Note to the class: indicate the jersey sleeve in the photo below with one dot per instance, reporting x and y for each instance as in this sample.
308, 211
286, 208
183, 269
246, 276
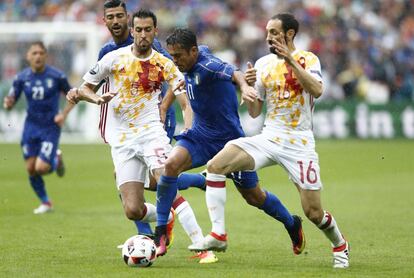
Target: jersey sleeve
173, 76
64, 85
259, 86
16, 88
217, 69
100, 71
313, 67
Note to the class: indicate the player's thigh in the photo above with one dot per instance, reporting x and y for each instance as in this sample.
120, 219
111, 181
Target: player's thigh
129, 168
230, 159
302, 167
42, 167
253, 152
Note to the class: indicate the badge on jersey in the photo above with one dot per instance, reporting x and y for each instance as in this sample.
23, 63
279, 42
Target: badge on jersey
49, 83
197, 79
94, 70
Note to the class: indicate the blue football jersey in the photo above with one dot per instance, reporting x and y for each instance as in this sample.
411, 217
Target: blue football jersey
42, 91
213, 97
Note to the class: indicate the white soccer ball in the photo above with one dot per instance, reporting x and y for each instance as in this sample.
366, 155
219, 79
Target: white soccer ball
139, 251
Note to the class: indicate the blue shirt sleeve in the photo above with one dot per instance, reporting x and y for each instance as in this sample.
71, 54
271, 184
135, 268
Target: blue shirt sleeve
218, 70
64, 85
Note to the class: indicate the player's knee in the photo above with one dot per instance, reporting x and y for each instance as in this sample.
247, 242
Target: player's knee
314, 215
31, 170
215, 168
42, 169
134, 212
172, 167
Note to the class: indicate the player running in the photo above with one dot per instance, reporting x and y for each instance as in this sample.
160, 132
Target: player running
288, 80
213, 98
42, 85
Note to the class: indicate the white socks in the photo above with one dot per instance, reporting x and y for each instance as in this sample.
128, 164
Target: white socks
329, 227
216, 199
151, 214
187, 219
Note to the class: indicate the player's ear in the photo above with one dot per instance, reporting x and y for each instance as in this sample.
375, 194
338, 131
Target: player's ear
156, 31
290, 34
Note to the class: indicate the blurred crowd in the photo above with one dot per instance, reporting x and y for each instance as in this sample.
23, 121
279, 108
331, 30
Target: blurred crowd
366, 48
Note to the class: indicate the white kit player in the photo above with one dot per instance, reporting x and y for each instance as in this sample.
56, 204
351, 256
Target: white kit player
288, 80
137, 138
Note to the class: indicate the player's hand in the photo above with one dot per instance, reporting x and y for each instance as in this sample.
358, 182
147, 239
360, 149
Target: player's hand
248, 94
60, 119
250, 74
8, 102
73, 96
281, 47
105, 98
180, 86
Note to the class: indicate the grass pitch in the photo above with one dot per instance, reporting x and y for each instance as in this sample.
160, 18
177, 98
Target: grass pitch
368, 187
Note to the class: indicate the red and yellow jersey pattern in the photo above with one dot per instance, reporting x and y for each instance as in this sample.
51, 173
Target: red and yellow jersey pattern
137, 84
289, 107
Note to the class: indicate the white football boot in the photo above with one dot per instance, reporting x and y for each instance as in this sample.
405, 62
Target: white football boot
211, 242
341, 256
43, 208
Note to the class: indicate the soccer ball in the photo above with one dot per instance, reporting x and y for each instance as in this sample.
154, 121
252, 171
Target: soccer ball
139, 251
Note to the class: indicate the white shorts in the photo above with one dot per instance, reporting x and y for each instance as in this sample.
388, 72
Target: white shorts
134, 160
296, 155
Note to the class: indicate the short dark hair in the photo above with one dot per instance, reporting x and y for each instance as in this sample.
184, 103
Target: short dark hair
288, 22
114, 4
183, 36
144, 13
38, 43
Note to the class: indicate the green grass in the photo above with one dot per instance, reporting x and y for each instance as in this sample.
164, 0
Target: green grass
368, 186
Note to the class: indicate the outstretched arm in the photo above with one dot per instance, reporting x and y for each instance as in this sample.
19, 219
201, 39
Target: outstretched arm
248, 94
61, 117
86, 92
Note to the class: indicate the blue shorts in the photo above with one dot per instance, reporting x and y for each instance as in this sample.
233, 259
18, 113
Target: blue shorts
40, 142
202, 150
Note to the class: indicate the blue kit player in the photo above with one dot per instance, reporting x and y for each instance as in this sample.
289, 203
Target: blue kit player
42, 86
213, 99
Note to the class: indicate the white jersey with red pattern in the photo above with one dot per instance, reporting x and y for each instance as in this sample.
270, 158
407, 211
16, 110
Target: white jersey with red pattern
289, 107
137, 82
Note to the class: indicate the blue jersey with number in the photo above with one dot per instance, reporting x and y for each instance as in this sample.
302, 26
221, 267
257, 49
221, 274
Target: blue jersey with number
42, 91
170, 121
213, 98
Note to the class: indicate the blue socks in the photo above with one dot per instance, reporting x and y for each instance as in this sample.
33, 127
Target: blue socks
273, 207
143, 228
38, 186
186, 180
166, 192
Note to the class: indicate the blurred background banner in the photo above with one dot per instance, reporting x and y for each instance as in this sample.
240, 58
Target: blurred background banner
366, 49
